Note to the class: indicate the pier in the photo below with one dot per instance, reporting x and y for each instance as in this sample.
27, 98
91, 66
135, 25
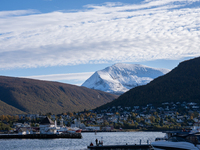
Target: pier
121, 147
41, 136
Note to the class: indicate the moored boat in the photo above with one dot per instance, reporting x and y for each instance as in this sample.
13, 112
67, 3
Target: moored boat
175, 143
74, 130
179, 140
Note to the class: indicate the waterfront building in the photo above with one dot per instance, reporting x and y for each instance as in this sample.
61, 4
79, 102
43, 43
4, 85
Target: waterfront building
47, 126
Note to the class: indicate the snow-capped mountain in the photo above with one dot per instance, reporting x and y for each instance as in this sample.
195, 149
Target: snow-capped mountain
119, 78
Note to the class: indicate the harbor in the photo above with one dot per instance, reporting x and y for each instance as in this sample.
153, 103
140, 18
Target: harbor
109, 138
46, 130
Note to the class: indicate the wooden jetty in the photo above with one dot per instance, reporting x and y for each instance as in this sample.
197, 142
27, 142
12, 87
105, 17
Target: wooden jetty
121, 147
41, 136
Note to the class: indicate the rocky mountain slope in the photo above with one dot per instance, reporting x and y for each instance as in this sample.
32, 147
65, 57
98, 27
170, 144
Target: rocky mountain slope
119, 78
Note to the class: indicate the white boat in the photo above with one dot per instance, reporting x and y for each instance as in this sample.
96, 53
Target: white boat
174, 144
180, 140
74, 130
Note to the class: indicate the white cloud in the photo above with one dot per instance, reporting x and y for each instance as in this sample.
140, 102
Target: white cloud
114, 32
78, 77
17, 13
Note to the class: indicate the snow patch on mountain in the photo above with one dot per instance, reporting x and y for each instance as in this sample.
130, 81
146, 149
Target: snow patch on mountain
120, 77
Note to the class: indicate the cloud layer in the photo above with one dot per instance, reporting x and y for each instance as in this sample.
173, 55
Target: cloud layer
113, 32
77, 78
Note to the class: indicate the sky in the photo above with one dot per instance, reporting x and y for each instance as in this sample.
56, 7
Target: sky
67, 41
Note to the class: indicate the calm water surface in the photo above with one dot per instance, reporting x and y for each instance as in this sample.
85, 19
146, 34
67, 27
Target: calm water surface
109, 138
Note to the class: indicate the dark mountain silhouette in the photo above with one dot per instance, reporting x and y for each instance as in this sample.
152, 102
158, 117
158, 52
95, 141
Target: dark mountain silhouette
179, 85
20, 95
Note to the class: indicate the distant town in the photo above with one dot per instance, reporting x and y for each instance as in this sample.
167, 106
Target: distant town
170, 116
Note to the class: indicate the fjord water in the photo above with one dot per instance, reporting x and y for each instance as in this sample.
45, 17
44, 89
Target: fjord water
109, 138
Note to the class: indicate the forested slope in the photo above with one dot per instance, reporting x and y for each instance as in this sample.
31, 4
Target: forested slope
34, 96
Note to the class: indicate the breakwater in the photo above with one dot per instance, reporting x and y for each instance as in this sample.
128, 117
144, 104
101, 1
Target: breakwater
41, 136
121, 147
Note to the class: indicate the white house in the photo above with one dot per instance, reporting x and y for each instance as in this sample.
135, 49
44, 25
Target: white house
47, 126
24, 131
93, 128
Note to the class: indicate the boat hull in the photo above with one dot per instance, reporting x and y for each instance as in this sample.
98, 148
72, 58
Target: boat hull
167, 145
78, 131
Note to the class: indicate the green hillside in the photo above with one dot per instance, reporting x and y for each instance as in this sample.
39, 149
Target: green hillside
179, 85
34, 96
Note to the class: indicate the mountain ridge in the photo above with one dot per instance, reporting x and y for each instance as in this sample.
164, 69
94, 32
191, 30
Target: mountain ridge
34, 96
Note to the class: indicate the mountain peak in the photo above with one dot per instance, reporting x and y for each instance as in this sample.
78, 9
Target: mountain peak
121, 77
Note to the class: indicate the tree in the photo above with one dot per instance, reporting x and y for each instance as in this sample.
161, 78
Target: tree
155, 113
16, 118
6, 118
71, 114
106, 123
196, 114
2, 117
152, 118
136, 124
65, 114
138, 119
157, 120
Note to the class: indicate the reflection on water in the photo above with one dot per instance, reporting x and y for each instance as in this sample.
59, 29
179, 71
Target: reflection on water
109, 138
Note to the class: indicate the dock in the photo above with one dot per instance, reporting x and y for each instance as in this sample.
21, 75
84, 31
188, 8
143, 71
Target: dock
121, 147
41, 136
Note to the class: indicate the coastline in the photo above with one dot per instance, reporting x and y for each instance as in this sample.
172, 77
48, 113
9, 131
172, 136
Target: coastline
40, 136
134, 130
